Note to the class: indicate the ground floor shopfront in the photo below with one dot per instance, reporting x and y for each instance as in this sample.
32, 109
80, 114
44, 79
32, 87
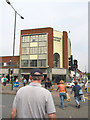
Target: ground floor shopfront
55, 75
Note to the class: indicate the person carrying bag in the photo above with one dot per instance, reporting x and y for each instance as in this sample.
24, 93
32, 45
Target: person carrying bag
76, 88
62, 92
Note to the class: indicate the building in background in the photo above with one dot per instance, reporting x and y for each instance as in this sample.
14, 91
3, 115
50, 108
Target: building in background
45, 48
6, 64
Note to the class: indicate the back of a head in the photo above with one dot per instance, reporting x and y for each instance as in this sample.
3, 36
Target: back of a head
36, 74
75, 82
48, 79
61, 82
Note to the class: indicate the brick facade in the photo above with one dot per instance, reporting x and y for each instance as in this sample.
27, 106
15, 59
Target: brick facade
65, 50
7, 59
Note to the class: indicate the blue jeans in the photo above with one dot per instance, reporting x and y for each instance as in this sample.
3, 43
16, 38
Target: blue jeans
77, 98
62, 96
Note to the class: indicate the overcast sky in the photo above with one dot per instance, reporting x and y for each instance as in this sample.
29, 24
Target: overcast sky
62, 15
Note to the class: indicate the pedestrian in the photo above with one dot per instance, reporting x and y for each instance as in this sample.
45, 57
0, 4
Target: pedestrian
49, 85
24, 81
33, 101
62, 92
76, 89
29, 80
46, 83
17, 80
4, 82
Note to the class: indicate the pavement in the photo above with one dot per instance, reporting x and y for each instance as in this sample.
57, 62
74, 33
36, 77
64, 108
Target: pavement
8, 89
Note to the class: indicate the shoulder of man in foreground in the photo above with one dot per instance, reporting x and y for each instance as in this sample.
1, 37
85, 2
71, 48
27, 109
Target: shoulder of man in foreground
22, 88
28, 86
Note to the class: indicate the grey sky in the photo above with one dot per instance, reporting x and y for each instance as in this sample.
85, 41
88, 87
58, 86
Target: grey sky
62, 15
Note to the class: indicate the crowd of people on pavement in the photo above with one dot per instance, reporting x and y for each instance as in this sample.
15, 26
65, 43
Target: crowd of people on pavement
4, 80
38, 100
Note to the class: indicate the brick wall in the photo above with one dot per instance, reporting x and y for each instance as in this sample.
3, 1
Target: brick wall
65, 50
7, 59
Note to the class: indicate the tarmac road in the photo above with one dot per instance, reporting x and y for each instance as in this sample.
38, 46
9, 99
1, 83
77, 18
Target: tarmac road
70, 110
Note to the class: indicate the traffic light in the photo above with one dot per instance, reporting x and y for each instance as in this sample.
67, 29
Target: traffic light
71, 63
10, 71
75, 64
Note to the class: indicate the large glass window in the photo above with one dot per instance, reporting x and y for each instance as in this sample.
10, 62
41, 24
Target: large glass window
42, 43
24, 63
42, 50
25, 38
33, 50
25, 57
25, 44
25, 50
42, 56
33, 63
34, 38
42, 38
42, 63
56, 60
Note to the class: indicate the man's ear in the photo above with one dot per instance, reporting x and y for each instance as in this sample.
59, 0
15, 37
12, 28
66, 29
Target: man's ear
42, 77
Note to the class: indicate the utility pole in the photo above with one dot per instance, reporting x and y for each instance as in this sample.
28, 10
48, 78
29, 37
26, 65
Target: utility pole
16, 13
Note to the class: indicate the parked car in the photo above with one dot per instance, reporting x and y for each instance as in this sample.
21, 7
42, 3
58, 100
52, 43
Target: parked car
70, 84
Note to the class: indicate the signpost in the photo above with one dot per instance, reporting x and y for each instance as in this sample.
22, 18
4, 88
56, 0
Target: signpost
16, 84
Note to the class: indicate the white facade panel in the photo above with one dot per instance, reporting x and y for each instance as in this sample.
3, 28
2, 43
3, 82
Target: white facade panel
59, 71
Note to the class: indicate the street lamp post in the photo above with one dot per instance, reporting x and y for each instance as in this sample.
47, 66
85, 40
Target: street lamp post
14, 36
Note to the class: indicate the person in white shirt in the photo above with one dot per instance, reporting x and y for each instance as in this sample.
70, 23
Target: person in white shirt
16, 79
33, 101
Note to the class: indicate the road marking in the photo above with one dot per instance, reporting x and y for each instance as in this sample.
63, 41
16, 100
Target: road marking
87, 97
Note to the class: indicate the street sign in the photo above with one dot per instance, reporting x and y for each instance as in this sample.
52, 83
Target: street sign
16, 84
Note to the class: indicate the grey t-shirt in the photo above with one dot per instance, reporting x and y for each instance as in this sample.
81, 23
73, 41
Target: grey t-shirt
33, 101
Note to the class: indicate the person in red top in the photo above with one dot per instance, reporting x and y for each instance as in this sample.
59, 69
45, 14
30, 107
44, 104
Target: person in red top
62, 92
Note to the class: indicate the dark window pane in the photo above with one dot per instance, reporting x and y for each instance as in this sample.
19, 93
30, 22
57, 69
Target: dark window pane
24, 63
33, 63
42, 63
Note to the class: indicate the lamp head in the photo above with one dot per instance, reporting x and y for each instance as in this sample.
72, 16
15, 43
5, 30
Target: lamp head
8, 2
22, 17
